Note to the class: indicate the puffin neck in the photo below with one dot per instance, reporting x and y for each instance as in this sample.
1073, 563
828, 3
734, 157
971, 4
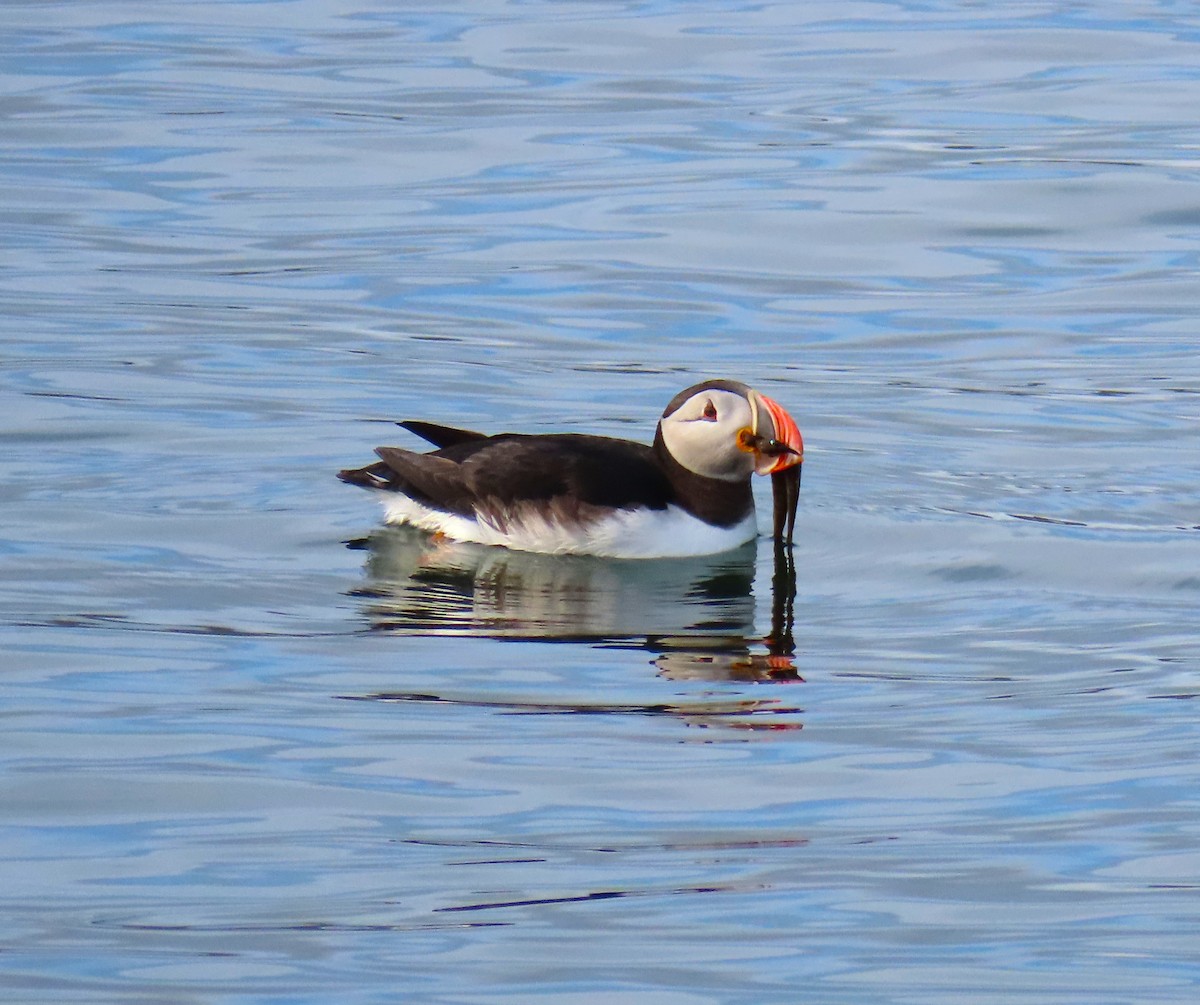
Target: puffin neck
714, 500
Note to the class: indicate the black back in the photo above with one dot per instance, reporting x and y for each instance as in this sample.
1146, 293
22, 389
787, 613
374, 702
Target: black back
574, 475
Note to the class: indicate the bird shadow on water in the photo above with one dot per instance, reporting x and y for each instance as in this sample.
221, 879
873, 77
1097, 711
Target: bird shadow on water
694, 617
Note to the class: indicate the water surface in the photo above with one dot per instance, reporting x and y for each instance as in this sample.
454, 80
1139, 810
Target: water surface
259, 749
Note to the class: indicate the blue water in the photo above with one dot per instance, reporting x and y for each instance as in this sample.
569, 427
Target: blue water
258, 749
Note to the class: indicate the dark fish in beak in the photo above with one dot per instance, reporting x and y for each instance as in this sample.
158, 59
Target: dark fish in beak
785, 486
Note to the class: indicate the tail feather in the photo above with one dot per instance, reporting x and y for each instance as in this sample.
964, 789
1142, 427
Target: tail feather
373, 476
439, 435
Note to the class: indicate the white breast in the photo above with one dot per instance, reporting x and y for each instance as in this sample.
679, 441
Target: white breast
637, 533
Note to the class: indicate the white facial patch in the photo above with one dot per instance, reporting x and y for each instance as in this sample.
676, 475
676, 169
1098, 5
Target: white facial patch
702, 434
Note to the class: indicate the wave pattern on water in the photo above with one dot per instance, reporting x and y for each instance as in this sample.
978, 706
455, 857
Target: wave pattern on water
242, 761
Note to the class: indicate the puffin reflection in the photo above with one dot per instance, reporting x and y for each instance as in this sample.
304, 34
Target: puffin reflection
695, 615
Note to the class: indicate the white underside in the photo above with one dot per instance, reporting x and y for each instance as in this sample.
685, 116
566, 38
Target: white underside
640, 533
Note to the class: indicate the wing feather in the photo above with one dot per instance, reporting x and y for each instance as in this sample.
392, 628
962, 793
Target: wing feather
565, 474
429, 478
595, 471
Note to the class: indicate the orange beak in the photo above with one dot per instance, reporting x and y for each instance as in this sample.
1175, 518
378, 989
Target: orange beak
775, 438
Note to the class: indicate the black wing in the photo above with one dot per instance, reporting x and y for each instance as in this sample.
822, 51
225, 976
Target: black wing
497, 473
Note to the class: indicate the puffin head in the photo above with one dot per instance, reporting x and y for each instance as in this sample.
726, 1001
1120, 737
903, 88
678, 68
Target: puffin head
724, 429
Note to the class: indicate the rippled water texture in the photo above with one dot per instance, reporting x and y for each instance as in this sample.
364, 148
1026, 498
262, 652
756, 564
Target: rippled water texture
258, 749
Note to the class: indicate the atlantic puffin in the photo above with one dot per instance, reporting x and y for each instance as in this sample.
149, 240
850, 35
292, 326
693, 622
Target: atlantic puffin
570, 493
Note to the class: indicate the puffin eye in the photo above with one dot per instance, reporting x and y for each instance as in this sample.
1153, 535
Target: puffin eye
710, 411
